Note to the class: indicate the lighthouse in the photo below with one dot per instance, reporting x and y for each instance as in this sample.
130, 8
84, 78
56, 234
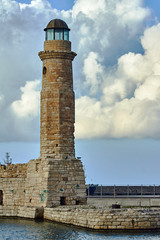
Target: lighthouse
57, 96
66, 180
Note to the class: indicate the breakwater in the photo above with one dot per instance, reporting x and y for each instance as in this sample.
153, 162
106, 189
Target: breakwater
140, 218
85, 216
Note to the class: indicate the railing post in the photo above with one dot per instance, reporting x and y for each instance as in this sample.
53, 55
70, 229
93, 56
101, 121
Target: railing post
128, 190
114, 191
88, 190
141, 190
101, 190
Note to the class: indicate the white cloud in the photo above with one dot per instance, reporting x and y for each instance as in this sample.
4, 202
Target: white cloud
113, 96
1, 100
93, 71
8, 8
149, 90
130, 103
88, 8
36, 4
149, 42
98, 28
90, 121
28, 105
131, 13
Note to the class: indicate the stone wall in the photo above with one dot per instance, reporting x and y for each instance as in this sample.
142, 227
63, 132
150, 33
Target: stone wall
36, 186
124, 202
13, 171
47, 182
13, 191
106, 219
24, 184
66, 181
12, 184
52, 182
12, 211
99, 219
56, 45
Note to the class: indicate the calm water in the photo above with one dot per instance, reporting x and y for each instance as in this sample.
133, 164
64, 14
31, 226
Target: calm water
17, 229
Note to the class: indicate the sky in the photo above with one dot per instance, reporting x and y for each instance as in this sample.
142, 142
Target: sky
116, 82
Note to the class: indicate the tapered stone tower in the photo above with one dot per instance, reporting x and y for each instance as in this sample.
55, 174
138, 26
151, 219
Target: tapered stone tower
57, 96
66, 181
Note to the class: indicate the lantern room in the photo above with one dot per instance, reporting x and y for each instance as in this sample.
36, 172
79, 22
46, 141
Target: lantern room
57, 29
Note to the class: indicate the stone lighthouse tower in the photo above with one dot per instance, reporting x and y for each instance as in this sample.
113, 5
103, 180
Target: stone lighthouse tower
57, 96
66, 181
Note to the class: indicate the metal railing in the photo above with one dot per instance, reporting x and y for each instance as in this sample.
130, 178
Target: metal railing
122, 191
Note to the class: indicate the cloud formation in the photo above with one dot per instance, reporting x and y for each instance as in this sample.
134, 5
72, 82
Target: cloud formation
28, 105
129, 104
116, 71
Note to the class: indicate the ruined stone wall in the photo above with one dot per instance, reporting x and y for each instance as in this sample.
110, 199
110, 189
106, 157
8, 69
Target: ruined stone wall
43, 182
13, 190
37, 183
13, 171
12, 184
24, 184
106, 219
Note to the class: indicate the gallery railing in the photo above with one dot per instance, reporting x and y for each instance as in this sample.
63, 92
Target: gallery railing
122, 191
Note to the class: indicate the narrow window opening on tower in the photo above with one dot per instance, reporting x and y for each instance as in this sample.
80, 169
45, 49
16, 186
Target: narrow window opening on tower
62, 201
77, 202
44, 70
37, 167
56, 145
1, 197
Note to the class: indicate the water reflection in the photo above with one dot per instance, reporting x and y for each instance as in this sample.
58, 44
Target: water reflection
12, 229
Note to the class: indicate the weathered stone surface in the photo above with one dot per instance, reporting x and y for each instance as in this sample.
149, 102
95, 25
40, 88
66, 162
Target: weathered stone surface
57, 101
96, 218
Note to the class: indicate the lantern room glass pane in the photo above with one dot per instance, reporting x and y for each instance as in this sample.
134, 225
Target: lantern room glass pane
66, 34
50, 34
58, 34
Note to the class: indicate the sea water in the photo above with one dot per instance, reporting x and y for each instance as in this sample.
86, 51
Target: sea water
18, 229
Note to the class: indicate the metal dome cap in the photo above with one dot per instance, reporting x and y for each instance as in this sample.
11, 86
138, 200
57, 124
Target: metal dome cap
57, 24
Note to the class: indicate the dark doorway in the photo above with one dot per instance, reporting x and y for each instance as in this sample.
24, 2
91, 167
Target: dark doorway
77, 202
62, 201
1, 197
